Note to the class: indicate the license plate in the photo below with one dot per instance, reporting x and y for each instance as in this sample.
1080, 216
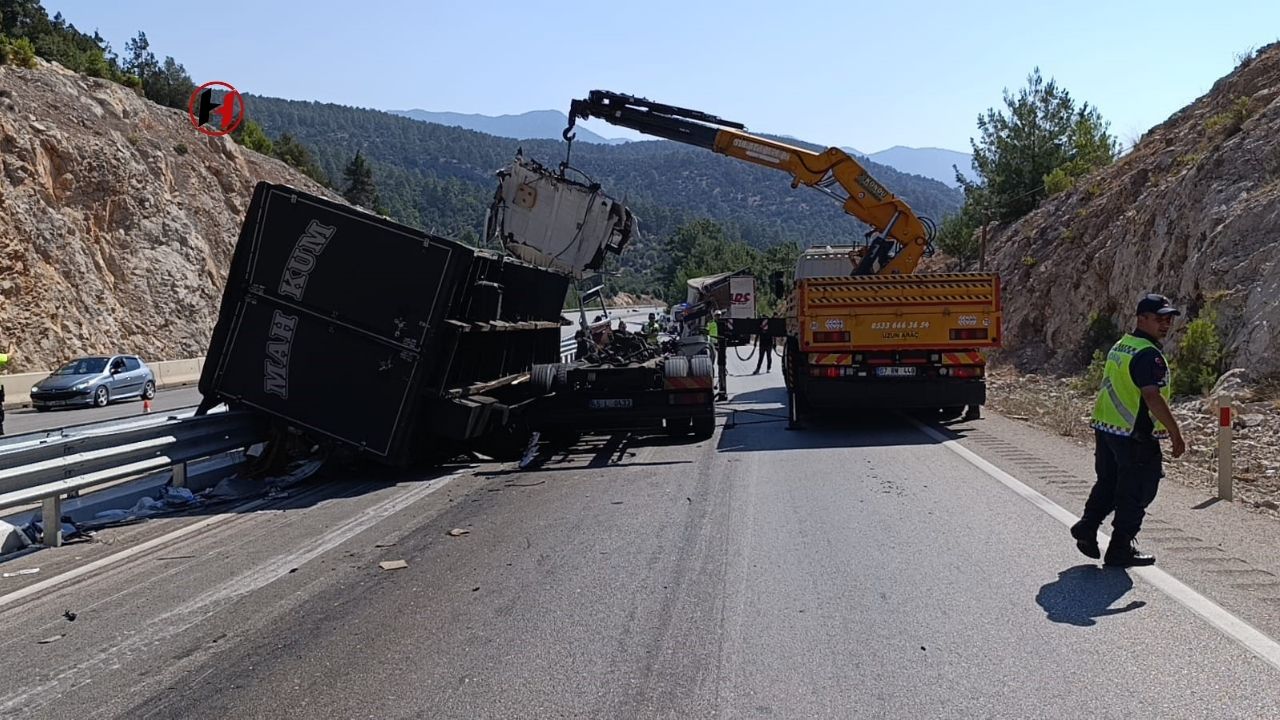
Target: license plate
609, 403
895, 371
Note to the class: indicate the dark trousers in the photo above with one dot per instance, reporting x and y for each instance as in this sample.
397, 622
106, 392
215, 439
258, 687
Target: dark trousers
764, 346
1129, 472
724, 371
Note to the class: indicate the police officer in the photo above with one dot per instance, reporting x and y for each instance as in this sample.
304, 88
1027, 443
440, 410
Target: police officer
1130, 417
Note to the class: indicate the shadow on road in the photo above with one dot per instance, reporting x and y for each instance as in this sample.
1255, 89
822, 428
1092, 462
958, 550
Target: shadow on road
1085, 592
757, 422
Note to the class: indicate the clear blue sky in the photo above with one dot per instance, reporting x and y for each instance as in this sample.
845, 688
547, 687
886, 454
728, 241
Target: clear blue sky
866, 75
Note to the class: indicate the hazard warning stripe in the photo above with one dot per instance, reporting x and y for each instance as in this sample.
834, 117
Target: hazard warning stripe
831, 358
962, 358
687, 383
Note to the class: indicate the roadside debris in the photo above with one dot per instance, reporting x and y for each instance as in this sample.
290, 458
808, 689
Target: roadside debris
456, 532
70, 616
393, 564
16, 573
48, 640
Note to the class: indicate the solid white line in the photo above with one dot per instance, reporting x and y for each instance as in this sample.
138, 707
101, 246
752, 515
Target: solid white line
126, 554
431, 486
1235, 628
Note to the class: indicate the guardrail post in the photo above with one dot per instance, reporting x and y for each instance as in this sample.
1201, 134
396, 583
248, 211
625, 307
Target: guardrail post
1224, 449
51, 519
179, 475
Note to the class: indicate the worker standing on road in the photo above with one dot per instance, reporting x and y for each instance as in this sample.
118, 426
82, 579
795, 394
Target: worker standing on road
717, 343
764, 345
1130, 417
4, 362
651, 330
583, 347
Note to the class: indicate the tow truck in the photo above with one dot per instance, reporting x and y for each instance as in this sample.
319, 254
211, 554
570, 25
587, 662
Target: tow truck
863, 329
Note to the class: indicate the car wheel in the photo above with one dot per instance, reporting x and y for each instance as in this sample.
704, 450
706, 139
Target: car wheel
148, 390
100, 397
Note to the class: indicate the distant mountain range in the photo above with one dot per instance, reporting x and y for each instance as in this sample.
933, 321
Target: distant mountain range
934, 163
541, 124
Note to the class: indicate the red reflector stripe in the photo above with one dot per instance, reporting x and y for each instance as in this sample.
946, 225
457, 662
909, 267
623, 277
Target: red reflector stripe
686, 383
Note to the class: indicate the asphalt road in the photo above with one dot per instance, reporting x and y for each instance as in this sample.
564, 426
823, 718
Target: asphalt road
17, 422
858, 568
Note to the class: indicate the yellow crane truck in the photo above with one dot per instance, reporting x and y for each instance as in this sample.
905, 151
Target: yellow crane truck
863, 329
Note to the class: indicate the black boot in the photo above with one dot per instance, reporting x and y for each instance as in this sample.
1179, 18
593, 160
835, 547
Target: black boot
1086, 539
1124, 552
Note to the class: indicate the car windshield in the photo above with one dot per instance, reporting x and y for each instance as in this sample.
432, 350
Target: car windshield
83, 366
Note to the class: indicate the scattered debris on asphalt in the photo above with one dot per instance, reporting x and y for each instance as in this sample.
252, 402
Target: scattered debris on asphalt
70, 616
48, 640
16, 573
393, 564
459, 531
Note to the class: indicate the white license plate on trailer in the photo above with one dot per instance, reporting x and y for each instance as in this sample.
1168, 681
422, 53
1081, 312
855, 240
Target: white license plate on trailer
609, 403
895, 371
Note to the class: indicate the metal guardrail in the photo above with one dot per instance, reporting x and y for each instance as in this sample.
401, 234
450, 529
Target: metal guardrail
47, 471
9, 443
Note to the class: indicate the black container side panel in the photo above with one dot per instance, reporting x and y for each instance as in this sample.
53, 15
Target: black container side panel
384, 278
328, 317
320, 375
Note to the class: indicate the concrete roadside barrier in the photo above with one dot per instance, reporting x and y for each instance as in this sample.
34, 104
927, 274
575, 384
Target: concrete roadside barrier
169, 373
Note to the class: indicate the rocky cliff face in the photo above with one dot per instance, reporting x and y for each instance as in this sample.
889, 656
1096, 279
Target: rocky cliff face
117, 219
1193, 211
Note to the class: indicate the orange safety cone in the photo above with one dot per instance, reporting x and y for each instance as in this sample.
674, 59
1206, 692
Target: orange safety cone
146, 405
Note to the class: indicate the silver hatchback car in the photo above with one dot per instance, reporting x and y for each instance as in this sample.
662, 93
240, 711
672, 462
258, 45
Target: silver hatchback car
94, 380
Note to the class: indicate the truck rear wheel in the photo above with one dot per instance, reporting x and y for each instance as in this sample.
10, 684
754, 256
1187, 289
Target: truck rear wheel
700, 366
542, 376
675, 367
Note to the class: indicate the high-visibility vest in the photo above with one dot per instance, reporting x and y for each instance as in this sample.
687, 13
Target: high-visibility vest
1116, 409
713, 330
4, 360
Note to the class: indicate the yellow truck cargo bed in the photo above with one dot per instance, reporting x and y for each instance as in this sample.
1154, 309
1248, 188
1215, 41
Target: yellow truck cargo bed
937, 311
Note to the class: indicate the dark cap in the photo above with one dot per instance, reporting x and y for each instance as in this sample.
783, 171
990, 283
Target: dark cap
1157, 304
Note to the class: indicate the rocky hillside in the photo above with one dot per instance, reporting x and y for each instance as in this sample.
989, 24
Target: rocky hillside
1192, 211
117, 219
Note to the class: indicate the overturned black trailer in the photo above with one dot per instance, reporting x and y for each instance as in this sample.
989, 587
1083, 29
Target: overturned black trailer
376, 335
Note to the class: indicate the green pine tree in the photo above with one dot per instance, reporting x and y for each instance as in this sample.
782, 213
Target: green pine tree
251, 135
1042, 138
360, 187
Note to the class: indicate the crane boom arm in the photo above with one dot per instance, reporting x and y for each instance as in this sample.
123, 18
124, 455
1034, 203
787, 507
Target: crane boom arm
860, 194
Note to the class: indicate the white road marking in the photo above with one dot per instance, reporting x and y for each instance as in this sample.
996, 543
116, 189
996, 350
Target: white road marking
237, 511
1233, 627
179, 620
